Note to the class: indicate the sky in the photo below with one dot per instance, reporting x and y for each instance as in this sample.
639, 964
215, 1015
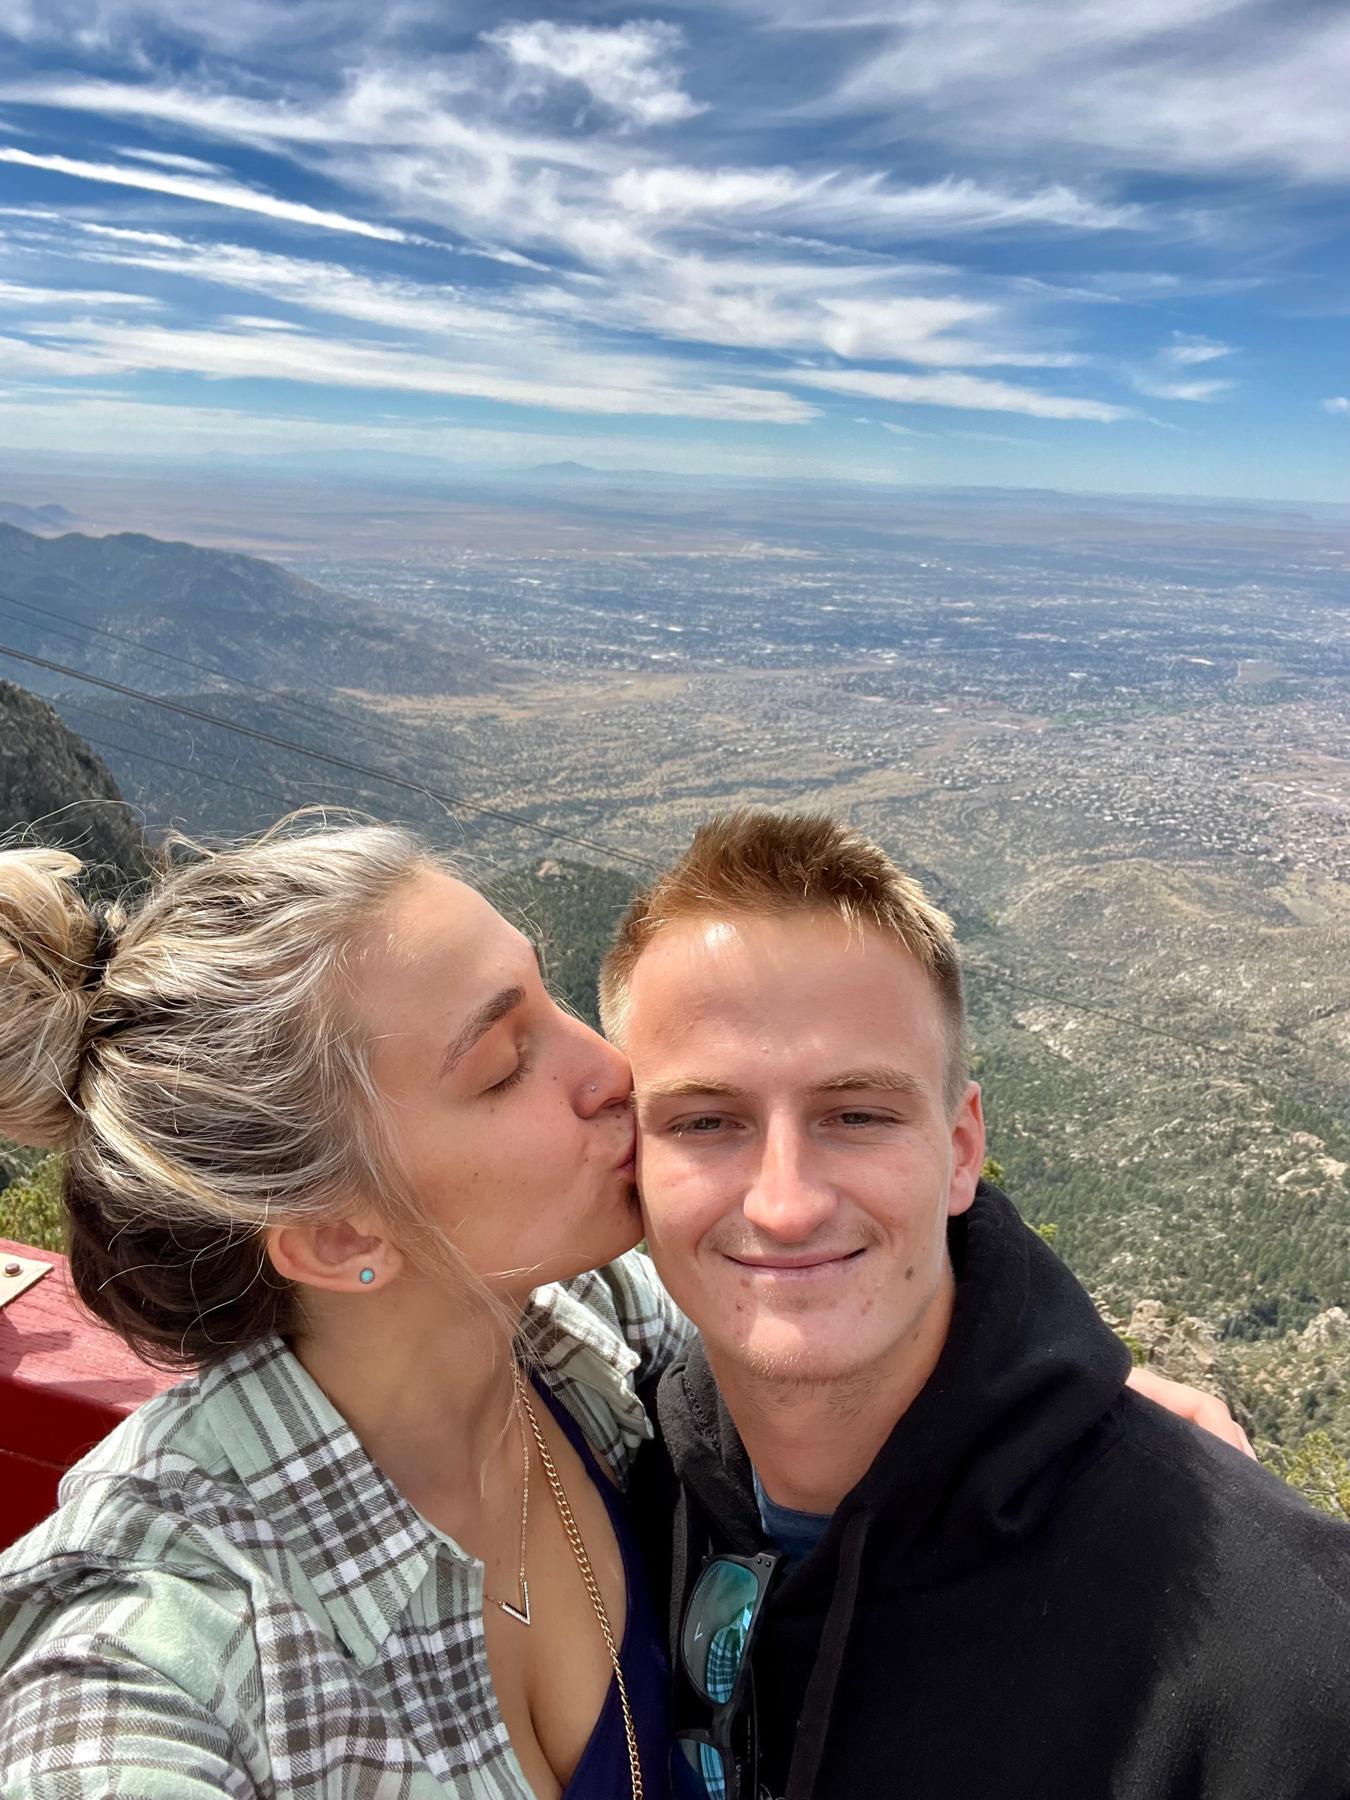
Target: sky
1086, 244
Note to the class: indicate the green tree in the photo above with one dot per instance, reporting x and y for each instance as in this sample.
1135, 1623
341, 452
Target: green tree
1321, 1474
31, 1209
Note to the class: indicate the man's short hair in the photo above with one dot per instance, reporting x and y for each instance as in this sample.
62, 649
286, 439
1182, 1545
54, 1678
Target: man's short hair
763, 864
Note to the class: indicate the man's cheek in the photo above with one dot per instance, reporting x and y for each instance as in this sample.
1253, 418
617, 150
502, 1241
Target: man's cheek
660, 1168
671, 1212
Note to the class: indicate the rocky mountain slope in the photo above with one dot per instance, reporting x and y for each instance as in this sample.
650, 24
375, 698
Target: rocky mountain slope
55, 790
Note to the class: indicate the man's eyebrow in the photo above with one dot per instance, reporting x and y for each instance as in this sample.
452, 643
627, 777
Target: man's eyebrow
482, 1019
687, 1085
880, 1078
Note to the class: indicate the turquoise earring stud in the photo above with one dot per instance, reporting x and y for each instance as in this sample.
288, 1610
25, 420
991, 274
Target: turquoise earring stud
367, 1276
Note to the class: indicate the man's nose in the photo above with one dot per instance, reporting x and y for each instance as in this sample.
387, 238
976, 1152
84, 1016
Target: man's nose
787, 1197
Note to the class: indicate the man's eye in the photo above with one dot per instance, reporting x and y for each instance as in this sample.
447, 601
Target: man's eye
856, 1116
704, 1125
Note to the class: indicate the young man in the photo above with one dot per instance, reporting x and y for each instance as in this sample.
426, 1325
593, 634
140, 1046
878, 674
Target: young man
998, 1573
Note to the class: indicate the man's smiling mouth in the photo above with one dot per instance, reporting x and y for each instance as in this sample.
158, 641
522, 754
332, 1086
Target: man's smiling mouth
799, 1266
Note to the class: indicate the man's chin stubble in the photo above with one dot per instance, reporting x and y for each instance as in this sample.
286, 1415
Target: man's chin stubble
784, 1378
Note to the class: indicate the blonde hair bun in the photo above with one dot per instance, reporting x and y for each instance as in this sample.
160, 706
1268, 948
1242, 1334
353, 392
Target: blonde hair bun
48, 935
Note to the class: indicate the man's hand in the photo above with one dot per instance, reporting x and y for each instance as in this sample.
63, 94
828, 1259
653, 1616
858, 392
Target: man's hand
1204, 1410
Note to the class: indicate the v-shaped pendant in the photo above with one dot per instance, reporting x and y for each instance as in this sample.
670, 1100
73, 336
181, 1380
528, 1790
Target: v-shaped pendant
519, 1612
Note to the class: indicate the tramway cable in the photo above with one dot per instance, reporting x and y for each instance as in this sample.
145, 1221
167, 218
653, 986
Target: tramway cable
162, 762
217, 779
285, 700
436, 795
200, 765
280, 697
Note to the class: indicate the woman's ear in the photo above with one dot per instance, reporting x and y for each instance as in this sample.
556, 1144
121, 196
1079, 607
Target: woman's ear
341, 1256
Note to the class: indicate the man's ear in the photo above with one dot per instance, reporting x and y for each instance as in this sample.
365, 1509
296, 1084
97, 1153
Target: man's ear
341, 1256
967, 1150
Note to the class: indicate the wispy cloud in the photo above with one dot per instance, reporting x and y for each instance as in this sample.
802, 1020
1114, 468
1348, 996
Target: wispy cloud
21, 297
19, 357
1164, 84
1200, 392
230, 194
1165, 379
632, 69
171, 159
231, 27
496, 354
1337, 403
852, 310
318, 287
416, 140
128, 234
868, 202
969, 392
753, 306
1185, 350
635, 386
384, 105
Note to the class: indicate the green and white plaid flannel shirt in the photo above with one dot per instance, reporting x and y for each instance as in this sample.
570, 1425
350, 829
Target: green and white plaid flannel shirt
233, 1600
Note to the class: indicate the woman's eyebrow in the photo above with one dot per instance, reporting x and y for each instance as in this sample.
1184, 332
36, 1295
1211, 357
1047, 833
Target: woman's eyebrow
481, 1019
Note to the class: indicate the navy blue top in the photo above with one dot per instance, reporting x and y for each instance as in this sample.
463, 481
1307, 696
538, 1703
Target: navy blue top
795, 1533
603, 1772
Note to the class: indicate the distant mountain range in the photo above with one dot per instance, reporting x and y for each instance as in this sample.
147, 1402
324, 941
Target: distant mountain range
585, 474
162, 616
36, 518
565, 471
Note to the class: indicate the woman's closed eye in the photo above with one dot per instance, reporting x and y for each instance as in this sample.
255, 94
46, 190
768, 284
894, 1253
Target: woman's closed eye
509, 1081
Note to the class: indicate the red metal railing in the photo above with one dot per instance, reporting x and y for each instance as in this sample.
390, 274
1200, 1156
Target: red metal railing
65, 1381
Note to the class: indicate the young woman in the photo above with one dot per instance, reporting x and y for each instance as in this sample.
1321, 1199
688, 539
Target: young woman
330, 1142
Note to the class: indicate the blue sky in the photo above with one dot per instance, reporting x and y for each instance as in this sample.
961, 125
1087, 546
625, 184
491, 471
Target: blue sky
1075, 243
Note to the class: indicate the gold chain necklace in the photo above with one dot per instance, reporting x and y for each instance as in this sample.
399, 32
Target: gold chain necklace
592, 1586
521, 1612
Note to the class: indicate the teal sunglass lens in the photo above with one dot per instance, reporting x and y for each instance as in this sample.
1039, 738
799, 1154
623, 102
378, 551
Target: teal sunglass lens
715, 1630
706, 1764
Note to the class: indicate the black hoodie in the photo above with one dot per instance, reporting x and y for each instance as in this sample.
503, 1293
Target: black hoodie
1043, 1588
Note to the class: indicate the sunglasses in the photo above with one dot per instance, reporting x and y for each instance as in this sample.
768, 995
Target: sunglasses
716, 1638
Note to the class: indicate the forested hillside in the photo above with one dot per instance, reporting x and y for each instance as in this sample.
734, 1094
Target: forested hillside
570, 910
